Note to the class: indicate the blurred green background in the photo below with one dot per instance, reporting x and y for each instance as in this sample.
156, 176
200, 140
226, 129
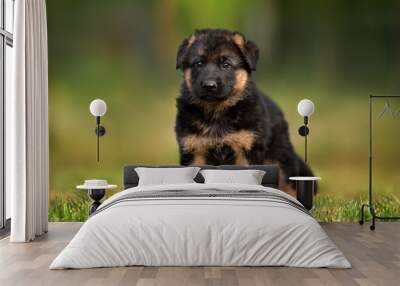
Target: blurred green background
335, 53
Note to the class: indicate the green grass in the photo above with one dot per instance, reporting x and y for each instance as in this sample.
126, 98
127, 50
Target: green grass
334, 209
68, 209
327, 208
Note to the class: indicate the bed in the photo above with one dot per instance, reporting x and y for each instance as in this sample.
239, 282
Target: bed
197, 224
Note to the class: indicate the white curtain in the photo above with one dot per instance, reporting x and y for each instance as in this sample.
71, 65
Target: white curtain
27, 145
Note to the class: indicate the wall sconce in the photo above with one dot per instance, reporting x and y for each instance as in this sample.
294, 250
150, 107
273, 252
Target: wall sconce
98, 108
306, 109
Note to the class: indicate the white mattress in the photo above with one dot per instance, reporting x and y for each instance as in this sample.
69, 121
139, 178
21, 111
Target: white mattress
200, 231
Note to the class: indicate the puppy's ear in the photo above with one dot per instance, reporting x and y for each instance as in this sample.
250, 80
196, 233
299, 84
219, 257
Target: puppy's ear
182, 51
248, 48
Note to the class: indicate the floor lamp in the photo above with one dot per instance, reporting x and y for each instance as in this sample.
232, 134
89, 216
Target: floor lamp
370, 204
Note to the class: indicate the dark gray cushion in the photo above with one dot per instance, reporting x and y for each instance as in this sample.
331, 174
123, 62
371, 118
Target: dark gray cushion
270, 179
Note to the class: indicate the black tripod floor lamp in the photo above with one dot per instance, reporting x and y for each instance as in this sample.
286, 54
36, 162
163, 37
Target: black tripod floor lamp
370, 205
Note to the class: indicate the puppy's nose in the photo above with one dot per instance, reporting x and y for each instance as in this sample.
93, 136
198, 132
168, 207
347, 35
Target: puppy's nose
209, 85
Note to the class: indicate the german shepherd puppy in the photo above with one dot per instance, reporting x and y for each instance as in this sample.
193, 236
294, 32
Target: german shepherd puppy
222, 118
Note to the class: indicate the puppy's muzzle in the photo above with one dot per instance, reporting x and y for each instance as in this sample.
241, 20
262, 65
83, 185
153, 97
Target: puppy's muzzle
209, 85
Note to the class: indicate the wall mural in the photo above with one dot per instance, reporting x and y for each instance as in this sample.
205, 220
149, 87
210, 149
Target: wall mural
125, 53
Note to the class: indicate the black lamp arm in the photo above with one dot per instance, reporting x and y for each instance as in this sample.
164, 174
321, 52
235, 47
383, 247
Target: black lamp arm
100, 131
303, 131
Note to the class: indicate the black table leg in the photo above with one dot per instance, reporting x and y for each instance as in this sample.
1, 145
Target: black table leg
96, 195
305, 193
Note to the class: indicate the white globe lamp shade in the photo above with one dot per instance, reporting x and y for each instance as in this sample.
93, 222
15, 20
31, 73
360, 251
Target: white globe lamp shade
98, 107
305, 107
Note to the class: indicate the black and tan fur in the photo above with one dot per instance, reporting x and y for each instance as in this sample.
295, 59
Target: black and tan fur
222, 117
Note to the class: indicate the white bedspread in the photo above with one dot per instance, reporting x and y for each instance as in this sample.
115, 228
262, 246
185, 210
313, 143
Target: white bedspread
185, 231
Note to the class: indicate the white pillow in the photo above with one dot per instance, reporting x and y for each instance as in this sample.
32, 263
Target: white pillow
165, 176
248, 177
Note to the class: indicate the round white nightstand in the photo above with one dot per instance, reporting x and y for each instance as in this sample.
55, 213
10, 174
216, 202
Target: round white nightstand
305, 187
96, 191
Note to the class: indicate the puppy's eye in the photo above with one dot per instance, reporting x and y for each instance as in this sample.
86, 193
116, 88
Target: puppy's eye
226, 65
198, 64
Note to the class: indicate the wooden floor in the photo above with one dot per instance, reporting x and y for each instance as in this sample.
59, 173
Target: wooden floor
375, 257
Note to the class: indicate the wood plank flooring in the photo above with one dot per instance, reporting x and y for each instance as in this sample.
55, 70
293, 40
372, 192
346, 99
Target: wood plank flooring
375, 257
